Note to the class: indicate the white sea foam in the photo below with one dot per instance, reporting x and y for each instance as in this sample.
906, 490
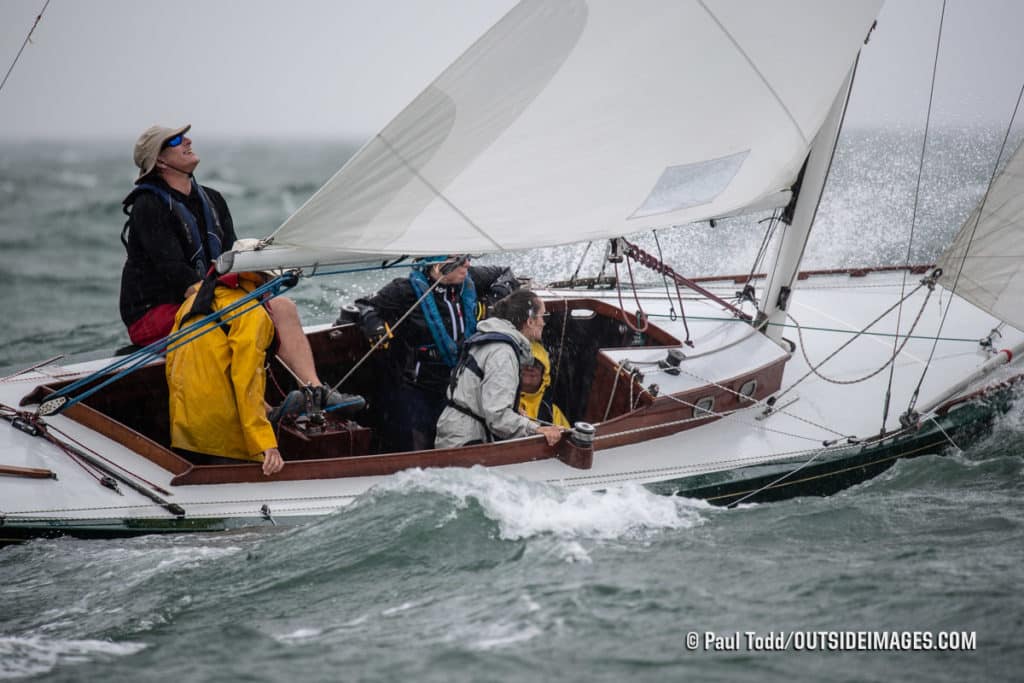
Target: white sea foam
299, 635
146, 562
501, 635
524, 509
34, 655
391, 611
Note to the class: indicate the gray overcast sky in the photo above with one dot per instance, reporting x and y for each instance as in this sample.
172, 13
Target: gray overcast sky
343, 68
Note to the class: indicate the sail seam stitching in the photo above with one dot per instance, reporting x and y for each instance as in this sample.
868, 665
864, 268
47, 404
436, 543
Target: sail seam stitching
760, 75
437, 193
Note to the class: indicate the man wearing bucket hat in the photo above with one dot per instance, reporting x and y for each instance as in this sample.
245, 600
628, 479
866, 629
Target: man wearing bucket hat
175, 229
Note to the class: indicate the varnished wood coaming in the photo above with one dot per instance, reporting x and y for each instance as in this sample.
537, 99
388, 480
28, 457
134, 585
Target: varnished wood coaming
129, 438
108, 412
486, 455
662, 415
616, 432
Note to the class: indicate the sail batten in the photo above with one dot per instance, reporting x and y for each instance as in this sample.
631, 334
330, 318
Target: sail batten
585, 119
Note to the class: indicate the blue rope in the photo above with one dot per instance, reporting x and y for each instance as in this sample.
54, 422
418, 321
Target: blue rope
344, 271
161, 347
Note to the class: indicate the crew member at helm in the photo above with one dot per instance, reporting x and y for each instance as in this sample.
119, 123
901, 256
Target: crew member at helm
426, 345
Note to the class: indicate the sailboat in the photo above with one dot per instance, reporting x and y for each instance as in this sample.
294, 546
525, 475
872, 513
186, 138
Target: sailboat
572, 122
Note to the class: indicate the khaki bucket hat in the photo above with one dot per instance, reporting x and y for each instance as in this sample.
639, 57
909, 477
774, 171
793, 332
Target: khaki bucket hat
147, 147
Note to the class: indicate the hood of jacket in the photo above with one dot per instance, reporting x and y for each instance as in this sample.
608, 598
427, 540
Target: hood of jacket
505, 327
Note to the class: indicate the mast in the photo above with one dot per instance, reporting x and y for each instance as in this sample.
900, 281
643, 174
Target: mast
791, 243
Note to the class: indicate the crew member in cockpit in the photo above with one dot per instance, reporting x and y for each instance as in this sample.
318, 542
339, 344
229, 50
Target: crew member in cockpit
425, 346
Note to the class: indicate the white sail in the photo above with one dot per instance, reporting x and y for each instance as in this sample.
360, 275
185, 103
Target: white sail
578, 120
991, 275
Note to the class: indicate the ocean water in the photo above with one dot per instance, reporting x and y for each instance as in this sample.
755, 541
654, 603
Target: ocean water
468, 575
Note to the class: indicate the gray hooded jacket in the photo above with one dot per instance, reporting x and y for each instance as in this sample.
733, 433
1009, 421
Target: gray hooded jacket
492, 397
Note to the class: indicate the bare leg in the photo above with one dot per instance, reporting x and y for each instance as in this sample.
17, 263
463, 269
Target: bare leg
294, 347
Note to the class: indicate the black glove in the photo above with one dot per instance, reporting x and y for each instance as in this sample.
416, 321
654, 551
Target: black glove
372, 325
503, 286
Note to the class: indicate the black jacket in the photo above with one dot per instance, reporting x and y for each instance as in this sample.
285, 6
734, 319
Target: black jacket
411, 354
157, 270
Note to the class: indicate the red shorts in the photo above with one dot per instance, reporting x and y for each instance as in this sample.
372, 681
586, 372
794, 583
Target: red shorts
155, 324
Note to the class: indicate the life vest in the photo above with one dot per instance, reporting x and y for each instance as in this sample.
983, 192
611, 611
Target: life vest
447, 347
467, 362
202, 252
539, 404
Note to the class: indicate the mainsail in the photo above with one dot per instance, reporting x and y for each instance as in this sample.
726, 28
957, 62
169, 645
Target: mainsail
985, 262
586, 119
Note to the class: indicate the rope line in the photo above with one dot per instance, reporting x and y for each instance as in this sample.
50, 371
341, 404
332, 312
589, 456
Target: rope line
105, 459
849, 341
385, 337
830, 329
967, 249
161, 347
664, 278
913, 217
28, 39
583, 258
193, 504
764, 403
891, 363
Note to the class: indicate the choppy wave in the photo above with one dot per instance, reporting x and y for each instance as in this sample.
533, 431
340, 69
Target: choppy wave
524, 509
34, 655
471, 574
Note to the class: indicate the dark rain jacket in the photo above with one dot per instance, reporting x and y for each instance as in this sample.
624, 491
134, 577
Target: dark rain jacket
411, 354
157, 270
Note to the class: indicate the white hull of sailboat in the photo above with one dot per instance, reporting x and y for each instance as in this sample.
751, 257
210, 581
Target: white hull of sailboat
807, 416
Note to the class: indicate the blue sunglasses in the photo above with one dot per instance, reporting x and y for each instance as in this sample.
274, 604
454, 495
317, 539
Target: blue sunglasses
174, 142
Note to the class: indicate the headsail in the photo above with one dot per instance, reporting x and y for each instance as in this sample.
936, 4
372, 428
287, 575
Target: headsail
992, 275
585, 119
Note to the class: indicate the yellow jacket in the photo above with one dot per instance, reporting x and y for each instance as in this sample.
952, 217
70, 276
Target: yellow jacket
530, 403
217, 384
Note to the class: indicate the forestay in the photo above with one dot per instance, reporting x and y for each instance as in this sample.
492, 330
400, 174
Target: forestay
991, 276
578, 120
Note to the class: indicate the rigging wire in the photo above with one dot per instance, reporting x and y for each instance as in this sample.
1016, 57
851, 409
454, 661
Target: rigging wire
897, 350
762, 251
641, 316
572, 280
832, 355
386, 337
913, 218
556, 370
967, 249
28, 39
664, 278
